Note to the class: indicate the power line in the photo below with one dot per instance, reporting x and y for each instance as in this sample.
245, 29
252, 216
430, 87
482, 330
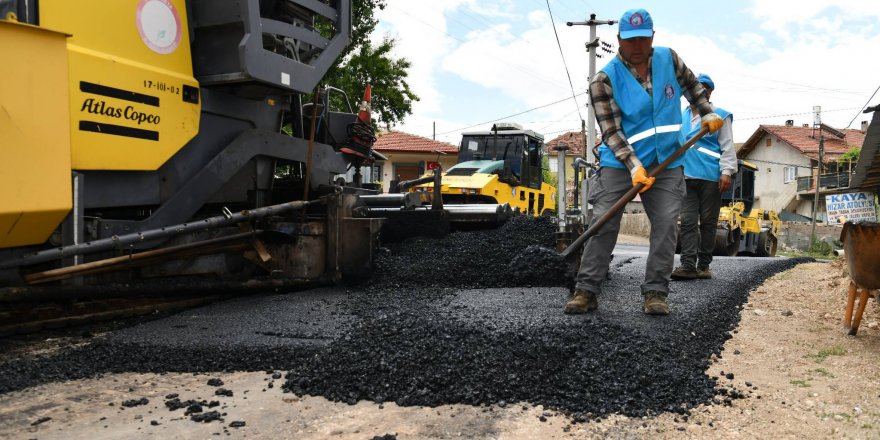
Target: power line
510, 116
562, 55
565, 6
578, 111
567, 130
794, 114
800, 85
475, 17
505, 62
863, 107
593, 8
777, 163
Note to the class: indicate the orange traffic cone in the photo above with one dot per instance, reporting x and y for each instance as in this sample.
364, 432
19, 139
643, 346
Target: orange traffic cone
361, 131
363, 115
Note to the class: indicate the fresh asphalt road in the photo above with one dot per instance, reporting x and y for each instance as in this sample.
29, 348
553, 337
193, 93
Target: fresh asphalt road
320, 316
433, 346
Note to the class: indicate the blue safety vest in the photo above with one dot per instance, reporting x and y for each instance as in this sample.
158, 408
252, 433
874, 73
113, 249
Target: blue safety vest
702, 160
650, 123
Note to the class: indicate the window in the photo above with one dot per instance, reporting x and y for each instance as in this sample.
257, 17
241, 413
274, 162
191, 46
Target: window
769, 142
376, 174
554, 165
790, 174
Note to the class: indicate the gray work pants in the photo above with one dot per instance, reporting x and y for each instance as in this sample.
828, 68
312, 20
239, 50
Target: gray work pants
662, 203
699, 219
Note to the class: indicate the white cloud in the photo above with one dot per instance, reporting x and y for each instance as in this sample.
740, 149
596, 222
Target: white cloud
750, 41
785, 17
826, 60
401, 21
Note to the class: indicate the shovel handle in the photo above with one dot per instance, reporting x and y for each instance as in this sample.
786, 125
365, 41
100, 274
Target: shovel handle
631, 194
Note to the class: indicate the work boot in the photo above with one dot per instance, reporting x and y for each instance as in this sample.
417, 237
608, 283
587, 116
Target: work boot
684, 273
704, 273
581, 302
655, 303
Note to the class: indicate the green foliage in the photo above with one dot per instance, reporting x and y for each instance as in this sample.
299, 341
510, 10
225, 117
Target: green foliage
825, 352
823, 372
363, 62
799, 254
851, 155
821, 247
550, 178
392, 96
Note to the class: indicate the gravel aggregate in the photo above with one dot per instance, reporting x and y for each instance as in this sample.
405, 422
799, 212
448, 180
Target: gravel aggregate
473, 318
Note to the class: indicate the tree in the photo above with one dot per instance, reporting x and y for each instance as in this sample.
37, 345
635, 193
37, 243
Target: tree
392, 96
549, 177
363, 63
851, 155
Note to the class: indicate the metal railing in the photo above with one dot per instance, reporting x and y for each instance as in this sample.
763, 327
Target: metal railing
828, 181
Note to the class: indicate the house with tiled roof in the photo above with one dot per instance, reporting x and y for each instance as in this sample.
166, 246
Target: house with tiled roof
787, 157
575, 141
409, 156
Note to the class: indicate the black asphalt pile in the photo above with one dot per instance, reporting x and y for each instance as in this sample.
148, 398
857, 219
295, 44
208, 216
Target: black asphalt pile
509, 351
207, 417
469, 259
428, 332
540, 266
135, 402
587, 368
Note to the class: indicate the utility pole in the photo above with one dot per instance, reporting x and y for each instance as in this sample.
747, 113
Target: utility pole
561, 148
817, 121
591, 46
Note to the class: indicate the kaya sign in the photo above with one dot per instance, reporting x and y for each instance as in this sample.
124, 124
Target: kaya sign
855, 207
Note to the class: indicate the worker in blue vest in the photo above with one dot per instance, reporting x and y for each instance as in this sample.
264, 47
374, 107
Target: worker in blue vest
709, 168
637, 101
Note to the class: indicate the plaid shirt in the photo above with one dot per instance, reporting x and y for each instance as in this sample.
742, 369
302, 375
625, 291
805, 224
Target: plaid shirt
608, 113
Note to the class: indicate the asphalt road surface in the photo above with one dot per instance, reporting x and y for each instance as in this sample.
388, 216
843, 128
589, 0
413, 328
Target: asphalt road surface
435, 346
443, 322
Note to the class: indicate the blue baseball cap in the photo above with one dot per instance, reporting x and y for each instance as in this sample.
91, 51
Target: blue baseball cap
703, 78
635, 23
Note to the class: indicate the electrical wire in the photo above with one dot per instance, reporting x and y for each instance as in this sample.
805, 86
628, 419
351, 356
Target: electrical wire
515, 114
807, 86
505, 62
567, 130
793, 114
592, 8
863, 107
541, 130
562, 55
777, 163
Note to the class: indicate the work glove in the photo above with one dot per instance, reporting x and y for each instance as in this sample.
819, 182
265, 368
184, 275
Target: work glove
639, 175
712, 122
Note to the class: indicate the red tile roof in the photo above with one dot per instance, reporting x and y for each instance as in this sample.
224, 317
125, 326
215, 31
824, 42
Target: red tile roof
806, 140
575, 141
397, 141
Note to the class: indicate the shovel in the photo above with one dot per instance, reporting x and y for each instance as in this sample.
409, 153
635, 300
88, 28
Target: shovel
631, 194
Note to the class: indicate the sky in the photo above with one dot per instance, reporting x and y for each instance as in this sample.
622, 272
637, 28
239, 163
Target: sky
476, 62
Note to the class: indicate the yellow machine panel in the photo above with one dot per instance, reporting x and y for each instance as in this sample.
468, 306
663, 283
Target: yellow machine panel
522, 198
133, 99
34, 134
